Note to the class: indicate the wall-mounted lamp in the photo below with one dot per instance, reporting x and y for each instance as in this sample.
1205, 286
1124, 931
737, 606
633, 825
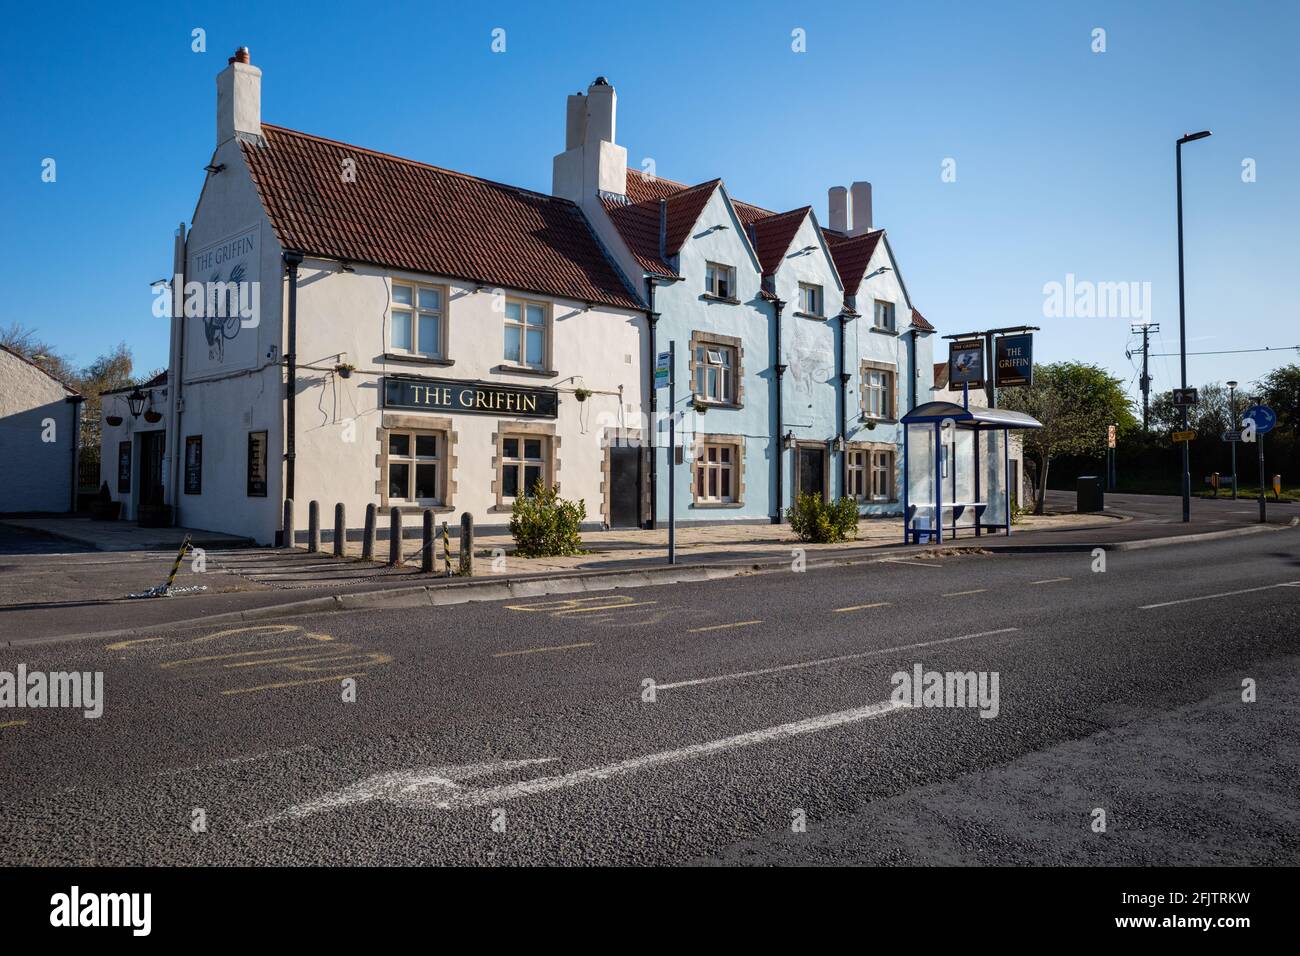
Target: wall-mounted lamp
837, 443
788, 441
135, 402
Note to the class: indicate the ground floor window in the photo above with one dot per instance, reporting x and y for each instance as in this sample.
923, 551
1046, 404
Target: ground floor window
715, 473
882, 475
415, 466
858, 471
523, 465
870, 474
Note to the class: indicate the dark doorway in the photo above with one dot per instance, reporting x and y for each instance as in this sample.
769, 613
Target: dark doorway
151, 468
624, 487
812, 472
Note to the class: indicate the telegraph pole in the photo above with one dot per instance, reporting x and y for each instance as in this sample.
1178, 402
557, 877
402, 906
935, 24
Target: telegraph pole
1146, 330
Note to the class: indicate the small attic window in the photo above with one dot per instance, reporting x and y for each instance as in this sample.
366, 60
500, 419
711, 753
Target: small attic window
720, 280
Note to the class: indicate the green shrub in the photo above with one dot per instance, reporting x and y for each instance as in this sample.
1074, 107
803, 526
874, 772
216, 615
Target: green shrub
544, 525
821, 522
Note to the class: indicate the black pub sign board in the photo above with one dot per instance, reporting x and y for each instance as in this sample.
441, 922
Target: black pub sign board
479, 398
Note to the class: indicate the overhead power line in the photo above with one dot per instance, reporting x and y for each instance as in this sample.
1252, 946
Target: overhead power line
1267, 348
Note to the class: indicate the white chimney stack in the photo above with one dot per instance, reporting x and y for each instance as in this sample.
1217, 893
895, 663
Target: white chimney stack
860, 208
592, 164
839, 208
239, 99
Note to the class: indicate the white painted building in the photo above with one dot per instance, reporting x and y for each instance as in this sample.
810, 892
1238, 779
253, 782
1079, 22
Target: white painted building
39, 438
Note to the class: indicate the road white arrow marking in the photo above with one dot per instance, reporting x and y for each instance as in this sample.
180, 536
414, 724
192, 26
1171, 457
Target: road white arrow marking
438, 787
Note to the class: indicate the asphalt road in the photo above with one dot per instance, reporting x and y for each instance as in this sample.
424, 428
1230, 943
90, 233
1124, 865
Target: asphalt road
525, 733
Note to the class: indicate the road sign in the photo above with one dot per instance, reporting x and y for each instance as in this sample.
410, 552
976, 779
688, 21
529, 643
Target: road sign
1185, 397
663, 369
1263, 417
965, 364
1232, 434
1014, 360
1184, 436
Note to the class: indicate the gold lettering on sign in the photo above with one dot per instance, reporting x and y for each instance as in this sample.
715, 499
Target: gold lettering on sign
530, 403
480, 400
467, 397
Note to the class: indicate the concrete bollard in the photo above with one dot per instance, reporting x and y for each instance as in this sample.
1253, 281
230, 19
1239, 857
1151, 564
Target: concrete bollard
426, 547
466, 543
313, 527
288, 523
394, 536
368, 537
340, 530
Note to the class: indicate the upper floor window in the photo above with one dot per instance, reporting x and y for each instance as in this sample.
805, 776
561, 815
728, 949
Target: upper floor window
525, 333
715, 369
720, 280
810, 299
884, 315
877, 393
418, 320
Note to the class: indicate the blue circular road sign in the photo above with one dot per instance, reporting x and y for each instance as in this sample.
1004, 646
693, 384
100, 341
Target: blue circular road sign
1263, 417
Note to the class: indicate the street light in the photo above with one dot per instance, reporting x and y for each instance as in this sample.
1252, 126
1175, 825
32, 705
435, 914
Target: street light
1182, 319
1233, 425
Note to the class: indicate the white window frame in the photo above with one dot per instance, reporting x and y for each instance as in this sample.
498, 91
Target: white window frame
859, 465
883, 315
811, 299
878, 399
521, 462
413, 460
720, 280
715, 466
881, 462
413, 312
720, 360
525, 328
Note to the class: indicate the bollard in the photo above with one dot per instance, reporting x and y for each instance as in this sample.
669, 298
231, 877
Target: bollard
394, 536
313, 526
288, 523
340, 530
368, 537
466, 543
446, 551
426, 548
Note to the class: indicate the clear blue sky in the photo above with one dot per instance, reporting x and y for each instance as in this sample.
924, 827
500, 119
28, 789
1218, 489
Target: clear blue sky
1064, 156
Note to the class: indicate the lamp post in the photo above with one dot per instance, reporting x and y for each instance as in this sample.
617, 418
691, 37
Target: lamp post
1182, 319
1233, 425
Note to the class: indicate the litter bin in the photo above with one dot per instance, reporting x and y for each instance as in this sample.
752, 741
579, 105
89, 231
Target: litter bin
1091, 493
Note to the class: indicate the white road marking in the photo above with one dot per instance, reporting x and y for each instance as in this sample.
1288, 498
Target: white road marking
720, 627
542, 650
964, 593
234, 761
438, 787
740, 675
1223, 594
1049, 581
915, 564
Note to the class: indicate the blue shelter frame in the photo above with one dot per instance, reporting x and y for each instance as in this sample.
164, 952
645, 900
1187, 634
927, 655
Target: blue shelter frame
977, 420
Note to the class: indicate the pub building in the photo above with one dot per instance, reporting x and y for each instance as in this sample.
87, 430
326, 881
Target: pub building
387, 332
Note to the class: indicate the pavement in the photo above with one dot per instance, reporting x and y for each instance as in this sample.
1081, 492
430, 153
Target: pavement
752, 720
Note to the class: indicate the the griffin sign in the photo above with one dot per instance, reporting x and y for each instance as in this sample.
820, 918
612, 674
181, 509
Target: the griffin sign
220, 303
480, 398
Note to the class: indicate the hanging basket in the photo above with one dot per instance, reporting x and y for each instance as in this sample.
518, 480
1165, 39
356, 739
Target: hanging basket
113, 420
153, 417
582, 394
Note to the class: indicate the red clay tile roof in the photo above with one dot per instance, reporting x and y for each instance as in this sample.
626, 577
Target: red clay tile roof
919, 321
408, 215
684, 208
774, 234
851, 255
638, 224
940, 374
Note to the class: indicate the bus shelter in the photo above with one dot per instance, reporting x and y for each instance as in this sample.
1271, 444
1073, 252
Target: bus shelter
984, 491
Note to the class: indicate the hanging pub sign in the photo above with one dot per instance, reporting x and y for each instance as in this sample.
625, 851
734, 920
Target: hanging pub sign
480, 398
965, 364
1014, 360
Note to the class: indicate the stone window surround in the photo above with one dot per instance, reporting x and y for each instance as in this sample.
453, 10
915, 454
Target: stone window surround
825, 449
737, 469
737, 345
892, 369
551, 456
870, 446
619, 437
393, 421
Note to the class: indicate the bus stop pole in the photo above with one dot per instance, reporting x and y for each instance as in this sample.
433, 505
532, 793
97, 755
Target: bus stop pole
1006, 473
907, 476
938, 486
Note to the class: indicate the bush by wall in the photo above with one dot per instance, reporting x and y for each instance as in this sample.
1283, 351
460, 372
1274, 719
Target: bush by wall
821, 522
545, 525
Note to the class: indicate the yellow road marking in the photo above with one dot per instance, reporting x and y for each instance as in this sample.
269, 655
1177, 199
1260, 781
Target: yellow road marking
719, 627
542, 650
567, 603
961, 593
1049, 580
224, 657
123, 645
13, 723
296, 657
861, 607
289, 683
604, 607
254, 629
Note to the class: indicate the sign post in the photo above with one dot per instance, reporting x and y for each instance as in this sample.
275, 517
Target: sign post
1257, 421
665, 377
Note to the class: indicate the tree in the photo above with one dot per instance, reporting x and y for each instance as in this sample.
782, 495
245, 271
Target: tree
109, 371
40, 353
1209, 417
1076, 403
1280, 390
